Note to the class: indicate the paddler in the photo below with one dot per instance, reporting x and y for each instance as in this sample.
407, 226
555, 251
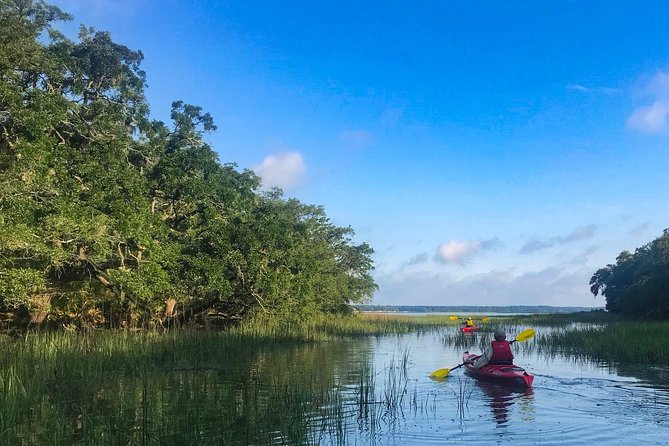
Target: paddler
497, 353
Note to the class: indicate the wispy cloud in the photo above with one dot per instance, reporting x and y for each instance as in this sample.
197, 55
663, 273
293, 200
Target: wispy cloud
357, 138
653, 117
460, 252
537, 244
391, 116
584, 256
498, 287
417, 259
584, 89
639, 229
284, 170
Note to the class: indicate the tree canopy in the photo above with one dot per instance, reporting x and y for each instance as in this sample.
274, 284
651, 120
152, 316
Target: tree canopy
108, 217
637, 284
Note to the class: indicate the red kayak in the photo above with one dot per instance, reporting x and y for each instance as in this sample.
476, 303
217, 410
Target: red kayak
469, 329
507, 374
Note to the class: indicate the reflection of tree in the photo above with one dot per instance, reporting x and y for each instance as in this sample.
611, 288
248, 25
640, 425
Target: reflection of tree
501, 398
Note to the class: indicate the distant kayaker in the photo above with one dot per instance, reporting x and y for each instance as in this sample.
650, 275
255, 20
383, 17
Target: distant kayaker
469, 322
497, 353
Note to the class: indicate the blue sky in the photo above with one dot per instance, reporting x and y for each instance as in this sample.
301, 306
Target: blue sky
490, 152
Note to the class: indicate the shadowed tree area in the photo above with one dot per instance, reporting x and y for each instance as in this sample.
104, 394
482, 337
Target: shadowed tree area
110, 218
637, 284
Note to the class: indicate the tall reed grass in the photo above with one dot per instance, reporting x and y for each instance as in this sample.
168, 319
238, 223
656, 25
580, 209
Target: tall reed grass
621, 342
265, 381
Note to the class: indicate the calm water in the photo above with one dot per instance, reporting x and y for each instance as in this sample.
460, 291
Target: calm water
372, 390
572, 401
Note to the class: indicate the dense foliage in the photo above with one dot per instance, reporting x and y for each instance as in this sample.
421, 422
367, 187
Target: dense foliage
637, 284
108, 217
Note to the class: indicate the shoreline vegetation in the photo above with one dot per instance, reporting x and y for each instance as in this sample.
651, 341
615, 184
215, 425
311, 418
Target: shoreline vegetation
101, 386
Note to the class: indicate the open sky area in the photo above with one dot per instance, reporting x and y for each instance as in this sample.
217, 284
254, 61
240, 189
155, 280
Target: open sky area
492, 153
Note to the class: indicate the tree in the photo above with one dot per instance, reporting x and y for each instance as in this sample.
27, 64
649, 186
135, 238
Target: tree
107, 216
637, 284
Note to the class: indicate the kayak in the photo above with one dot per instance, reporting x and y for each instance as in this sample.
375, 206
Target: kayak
469, 329
507, 374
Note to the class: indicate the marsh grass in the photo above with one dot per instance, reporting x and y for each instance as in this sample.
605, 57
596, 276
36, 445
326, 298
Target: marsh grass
328, 328
558, 319
621, 342
595, 335
185, 388
263, 382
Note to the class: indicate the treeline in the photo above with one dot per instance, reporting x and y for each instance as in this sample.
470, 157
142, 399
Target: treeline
637, 284
110, 218
529, 309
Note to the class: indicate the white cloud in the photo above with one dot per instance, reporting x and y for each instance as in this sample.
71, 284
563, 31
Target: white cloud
357, 138
551, 286
460, 252
653, 117
285, 170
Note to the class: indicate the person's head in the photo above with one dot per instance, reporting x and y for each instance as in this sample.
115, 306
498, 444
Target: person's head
500, 335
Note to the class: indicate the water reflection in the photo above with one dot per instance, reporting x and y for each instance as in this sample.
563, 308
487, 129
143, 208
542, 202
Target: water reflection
501, 398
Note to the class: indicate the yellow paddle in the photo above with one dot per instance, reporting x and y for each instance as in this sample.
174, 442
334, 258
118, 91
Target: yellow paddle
453, 318
485, 319
522, 337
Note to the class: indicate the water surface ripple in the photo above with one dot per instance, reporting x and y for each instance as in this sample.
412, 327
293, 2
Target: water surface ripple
572, 402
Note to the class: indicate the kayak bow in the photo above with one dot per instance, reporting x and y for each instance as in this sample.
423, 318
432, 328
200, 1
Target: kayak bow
507, 374
469, 329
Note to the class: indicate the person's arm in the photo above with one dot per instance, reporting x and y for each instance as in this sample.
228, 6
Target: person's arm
484, 358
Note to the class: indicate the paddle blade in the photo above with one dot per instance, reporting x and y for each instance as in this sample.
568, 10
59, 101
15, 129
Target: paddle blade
453, 318
485, 319
439, 374
525, 335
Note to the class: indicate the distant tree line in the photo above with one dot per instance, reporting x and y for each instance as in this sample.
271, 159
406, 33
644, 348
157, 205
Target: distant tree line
110, 218
529, 309
637, 284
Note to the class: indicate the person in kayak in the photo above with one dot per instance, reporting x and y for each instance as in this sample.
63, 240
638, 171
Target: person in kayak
497, 353
469, 322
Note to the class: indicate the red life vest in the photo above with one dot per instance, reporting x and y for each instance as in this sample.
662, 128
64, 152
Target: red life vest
501, 351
